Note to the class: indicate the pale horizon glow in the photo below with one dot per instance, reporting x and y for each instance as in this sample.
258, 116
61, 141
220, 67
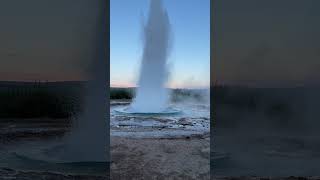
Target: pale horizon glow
172, 86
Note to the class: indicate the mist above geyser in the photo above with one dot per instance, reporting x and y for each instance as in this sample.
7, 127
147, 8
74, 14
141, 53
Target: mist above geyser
151, 94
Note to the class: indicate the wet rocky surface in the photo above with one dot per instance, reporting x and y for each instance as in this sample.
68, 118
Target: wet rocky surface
153, 147
12, 130
192, 120
175, 146
158, 147
153, 156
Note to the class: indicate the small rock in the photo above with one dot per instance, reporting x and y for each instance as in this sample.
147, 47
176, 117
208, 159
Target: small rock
205, 152
184, 121
169, 149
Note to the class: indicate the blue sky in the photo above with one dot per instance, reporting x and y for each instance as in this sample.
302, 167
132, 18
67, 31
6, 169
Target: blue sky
190, 57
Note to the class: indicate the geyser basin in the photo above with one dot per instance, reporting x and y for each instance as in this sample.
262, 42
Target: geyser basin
178, 121
130, 110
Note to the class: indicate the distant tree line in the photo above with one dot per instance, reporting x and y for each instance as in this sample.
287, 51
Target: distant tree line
33, 100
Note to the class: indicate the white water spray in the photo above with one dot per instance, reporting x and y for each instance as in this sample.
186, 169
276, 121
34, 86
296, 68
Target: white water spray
151, 95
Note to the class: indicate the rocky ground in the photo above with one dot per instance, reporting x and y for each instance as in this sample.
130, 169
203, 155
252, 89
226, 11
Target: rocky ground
141, 148
13, 130
160, 146
160, 158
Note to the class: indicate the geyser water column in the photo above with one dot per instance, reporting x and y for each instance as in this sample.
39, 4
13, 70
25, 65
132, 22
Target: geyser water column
151, 94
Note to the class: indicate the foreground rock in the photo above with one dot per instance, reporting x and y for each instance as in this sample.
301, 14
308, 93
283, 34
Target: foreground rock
160, 158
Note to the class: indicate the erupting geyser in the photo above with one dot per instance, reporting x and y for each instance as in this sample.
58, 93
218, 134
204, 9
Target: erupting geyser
151, 95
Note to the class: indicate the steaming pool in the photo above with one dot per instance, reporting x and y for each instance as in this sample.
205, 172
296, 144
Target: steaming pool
128, 110
178, 120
